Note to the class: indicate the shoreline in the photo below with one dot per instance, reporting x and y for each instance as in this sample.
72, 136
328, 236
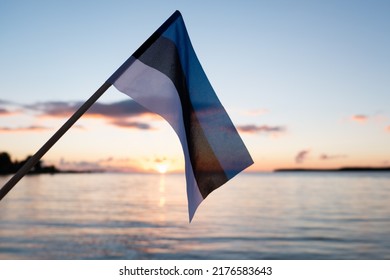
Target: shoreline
342, 169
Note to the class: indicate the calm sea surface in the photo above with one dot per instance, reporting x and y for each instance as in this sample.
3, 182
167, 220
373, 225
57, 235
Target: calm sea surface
262, 216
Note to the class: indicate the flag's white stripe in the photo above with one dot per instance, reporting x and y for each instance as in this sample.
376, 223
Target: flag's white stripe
156, 92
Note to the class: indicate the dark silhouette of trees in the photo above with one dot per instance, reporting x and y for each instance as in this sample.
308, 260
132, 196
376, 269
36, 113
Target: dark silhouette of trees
6, 165
9, 167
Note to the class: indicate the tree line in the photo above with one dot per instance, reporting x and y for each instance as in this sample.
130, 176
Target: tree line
7, 166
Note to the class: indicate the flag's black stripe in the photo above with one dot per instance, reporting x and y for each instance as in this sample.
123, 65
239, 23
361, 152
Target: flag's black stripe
157, 34
144, 47
163, 56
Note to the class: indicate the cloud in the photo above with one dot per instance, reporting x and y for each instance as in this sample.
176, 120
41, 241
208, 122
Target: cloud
255, 112
4, 112
5, 102
82, 165
302, 156
79, 165
373, 119
32, 128
160, 159
54, 108
253, 129
131, 124
331, 157
108, 164
8, 108
126, 108
118, 113
360, 118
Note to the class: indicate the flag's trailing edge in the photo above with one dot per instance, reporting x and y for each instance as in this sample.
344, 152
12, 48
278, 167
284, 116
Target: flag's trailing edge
164, 75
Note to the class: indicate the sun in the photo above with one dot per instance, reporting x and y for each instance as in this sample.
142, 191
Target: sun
162, 168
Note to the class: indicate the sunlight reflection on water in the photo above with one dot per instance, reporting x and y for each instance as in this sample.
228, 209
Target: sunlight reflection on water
259, 216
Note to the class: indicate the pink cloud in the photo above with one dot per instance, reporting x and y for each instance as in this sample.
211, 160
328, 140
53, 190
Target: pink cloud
4, 112
7, 112
256, 112
33, 128
360, 118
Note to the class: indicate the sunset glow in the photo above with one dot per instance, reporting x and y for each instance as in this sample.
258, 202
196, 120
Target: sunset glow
162, 168
306, 85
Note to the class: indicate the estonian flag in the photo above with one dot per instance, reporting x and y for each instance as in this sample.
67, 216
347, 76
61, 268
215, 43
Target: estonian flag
164, 75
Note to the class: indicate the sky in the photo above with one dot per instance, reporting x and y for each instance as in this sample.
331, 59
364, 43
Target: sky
306, 83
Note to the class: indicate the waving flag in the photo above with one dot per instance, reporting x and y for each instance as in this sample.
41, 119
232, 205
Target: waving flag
164, 75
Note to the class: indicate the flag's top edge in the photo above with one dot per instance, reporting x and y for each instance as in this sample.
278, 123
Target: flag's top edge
144, 46
168, 22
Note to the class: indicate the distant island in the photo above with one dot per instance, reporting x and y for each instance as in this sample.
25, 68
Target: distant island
7, 166
342, 169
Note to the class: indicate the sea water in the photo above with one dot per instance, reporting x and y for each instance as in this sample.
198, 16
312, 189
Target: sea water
325, 215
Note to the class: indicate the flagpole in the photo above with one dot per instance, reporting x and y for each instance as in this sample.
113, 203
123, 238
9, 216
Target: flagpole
43, 150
